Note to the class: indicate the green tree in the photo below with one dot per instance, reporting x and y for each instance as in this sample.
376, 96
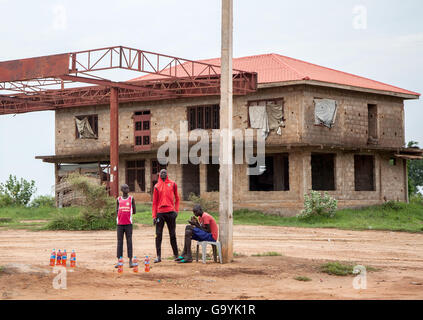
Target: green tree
17, 192
412, 144
42, 201
415, 171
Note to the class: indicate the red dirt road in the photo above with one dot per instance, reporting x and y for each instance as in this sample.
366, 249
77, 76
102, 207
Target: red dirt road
399, 256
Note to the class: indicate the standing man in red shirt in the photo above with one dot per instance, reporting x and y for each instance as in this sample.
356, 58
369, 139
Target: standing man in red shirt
165, 209
204, 230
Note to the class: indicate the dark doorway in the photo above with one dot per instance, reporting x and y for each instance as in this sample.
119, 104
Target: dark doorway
275, 176
280, 172
364, 173
135, 175
323, 171
190, 180
212, 177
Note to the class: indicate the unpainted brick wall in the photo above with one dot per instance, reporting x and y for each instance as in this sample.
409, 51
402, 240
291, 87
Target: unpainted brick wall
350, 129
389, 184
351, 125
168, 115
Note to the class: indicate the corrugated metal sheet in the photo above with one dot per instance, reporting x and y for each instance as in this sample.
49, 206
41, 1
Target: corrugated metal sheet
277, 68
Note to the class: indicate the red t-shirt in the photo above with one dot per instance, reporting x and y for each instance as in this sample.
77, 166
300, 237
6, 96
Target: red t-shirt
208, 219
165, 197
125, 211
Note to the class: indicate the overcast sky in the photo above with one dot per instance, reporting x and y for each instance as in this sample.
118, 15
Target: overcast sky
387, 46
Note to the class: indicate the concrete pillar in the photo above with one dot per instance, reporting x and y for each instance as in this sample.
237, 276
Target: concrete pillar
225, 151
148, 175
203, 178
405, 168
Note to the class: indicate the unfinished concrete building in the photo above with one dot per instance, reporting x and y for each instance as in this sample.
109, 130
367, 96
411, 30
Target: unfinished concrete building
334, 132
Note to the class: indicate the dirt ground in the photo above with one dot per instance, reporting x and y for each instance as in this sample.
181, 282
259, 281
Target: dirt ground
398, 256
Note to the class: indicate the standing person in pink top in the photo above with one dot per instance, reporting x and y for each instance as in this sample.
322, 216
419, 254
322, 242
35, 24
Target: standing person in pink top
203, 229
125, 208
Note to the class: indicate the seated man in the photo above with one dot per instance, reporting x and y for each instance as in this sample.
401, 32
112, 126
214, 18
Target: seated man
204, 230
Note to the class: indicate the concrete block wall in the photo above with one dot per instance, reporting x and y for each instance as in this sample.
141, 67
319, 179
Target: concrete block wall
168, 114
350, 129
351, 125
293, 101
393, 179
65, 136
174, 173
389, 184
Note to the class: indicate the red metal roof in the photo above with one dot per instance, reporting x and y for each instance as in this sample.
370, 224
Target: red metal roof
277, 68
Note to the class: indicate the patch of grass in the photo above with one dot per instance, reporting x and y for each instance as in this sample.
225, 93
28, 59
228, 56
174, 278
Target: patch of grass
393, 205
41, 213
342, 269
77, 223
337, 268
391, 216
302, 278
11, 217
239, 255
267, 254
372, 269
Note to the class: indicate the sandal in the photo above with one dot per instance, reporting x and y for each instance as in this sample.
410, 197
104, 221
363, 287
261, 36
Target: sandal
185, 261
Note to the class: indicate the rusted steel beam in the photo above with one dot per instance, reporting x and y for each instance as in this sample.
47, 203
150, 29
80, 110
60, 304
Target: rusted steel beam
99, 95
25, 101
140, 60
34, 68
114, 142
32, 79
105, 83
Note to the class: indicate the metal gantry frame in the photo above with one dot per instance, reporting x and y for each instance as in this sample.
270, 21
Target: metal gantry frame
44, 83
48, 83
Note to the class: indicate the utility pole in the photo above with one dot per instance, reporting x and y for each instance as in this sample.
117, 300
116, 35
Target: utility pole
226, 144
114, 142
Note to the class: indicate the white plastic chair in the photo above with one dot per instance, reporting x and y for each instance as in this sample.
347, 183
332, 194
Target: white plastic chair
215, 245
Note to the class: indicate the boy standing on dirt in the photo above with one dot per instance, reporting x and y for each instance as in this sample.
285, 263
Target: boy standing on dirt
125, 208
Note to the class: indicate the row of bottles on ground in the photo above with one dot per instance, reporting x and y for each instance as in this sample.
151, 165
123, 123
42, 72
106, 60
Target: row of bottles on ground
135, 265
60, 258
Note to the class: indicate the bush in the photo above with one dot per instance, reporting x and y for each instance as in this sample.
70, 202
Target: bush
393, 205
417, 198
337, 268
317, 205
206, 205
5, 201
78, 223
97, 203
43, 201
17, 192
98, 210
